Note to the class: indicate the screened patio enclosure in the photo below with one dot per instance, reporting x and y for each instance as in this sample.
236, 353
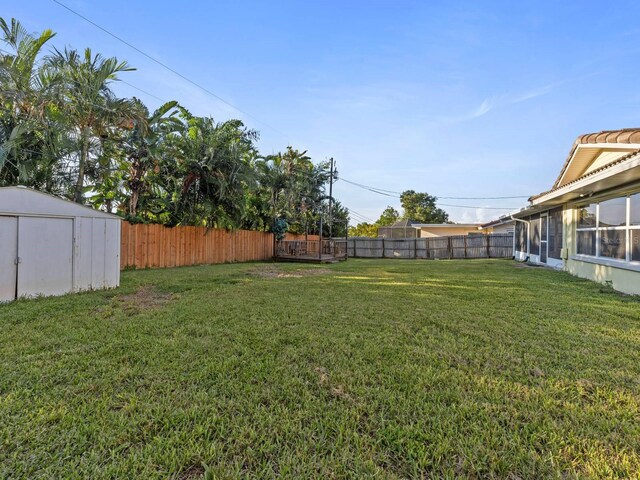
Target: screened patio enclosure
540, 237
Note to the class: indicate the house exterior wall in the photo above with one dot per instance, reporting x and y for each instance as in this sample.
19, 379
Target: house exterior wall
503, 228
626, 281
621, 275
429, 232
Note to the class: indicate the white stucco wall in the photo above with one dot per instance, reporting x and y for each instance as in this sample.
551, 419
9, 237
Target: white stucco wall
626, 281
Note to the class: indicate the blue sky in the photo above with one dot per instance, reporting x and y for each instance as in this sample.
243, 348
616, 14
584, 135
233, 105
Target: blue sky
462, 99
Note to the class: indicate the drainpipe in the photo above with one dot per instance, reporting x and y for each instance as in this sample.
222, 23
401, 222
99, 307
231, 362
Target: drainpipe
528, 223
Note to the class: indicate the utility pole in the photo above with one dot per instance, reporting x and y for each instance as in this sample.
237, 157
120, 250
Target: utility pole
331, 201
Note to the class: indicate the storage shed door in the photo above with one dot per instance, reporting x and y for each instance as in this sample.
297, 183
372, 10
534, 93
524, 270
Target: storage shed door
8, 255
45, 250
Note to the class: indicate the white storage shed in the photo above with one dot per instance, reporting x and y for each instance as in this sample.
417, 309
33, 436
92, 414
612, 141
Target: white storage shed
51, 246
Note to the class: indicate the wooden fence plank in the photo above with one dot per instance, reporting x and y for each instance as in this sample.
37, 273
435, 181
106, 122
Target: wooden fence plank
158, 246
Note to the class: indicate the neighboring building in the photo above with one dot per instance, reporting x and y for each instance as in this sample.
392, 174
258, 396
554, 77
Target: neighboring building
400, 229
504, 224
52, 246
428, 230
589, 222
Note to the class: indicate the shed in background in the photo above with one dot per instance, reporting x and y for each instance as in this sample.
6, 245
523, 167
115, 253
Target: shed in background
51, 246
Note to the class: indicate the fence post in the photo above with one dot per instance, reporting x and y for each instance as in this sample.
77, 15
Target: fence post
488, 248
383, 247
449, 247
415, 248
465, 246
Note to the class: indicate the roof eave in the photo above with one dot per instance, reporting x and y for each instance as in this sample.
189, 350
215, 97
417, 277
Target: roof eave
580, 187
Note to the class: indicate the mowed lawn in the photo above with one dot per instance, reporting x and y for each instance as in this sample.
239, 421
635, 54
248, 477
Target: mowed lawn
389, 369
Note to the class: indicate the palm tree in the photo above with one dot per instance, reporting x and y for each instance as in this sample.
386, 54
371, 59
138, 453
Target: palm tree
294, 186
207, 171
25, 135
143, 148
89, 107
20, 76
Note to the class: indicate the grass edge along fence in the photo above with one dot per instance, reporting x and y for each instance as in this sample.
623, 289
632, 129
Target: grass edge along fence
495, 245
159, 246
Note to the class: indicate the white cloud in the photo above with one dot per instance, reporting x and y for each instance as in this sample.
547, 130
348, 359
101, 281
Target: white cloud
478, 215
486, 106
499, 101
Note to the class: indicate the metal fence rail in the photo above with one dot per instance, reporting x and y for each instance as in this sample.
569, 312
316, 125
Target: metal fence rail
499, 245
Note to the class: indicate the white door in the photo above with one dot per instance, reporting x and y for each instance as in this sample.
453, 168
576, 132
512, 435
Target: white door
8, 256
45, 252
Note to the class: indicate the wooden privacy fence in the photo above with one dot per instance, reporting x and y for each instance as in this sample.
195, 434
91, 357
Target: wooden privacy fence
497, 245
157, 246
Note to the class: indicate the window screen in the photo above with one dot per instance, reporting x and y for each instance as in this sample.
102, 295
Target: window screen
521, 236
535, 235
555, 232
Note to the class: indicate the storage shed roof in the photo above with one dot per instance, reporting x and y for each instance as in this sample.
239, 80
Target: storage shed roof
26, 201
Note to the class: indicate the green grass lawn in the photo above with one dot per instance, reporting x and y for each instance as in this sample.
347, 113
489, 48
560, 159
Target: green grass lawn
388, 369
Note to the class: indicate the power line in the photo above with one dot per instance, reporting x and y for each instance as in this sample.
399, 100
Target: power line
359, 218
368, 187
477, 207
374, 190
371, 189
167, 67
141, 90
388, 192
363, 217
485, 198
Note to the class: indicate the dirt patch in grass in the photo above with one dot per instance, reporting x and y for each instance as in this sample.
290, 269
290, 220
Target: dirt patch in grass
335, 389
272, 271
145, 298
192, 472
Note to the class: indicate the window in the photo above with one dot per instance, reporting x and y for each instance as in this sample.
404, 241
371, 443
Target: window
586, 231
555, 232
635, 245
613, 213
587, 216
634, 217
610, 229
587, 242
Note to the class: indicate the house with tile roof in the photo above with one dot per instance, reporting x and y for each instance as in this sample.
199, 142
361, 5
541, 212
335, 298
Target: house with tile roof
588, 223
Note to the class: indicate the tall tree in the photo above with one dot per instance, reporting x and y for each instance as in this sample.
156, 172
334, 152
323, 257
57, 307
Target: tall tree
143, 145
293, 187
26, 134
388, 217
364, 229
422, 208
63, 130
91, 109
206, 172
